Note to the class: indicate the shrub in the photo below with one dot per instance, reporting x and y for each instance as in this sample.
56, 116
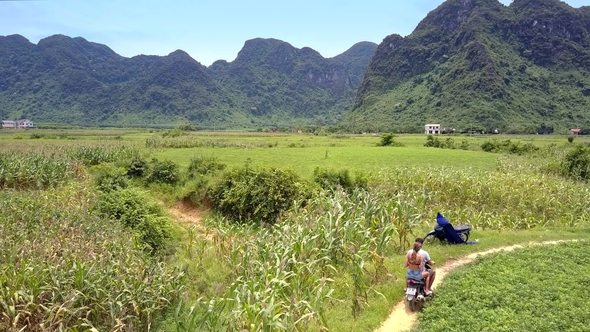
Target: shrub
204, 166
137, 167
165, 171
488, 146
576, 163
108, 178
331, 179
173, 133
464, 145
246, 194
434, 142
187, 127
195, 191
509, 147
388, 140
134, 210
570, 139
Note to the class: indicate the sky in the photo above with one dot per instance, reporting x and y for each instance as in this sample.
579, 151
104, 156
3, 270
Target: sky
211, 30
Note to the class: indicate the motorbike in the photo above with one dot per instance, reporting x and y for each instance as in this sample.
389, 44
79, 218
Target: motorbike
439, 233
415, 293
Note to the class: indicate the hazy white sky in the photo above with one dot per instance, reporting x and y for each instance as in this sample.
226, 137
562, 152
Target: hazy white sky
210, 30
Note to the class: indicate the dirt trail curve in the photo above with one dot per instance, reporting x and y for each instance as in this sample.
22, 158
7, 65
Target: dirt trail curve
402, 319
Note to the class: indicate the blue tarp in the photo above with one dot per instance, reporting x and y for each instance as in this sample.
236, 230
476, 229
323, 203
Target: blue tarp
449, 230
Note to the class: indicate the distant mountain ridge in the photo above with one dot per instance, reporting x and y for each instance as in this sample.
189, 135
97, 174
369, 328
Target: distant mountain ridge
480, 63
74, 81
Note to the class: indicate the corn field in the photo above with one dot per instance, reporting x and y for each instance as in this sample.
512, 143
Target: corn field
63, 268
35, 171
283, 275
187, 143
514, 197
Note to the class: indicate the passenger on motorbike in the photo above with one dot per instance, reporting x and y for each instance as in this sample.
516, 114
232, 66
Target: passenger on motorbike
428, 263
415, 264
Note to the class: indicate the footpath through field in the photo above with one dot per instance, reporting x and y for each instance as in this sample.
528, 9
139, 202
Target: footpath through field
402, 319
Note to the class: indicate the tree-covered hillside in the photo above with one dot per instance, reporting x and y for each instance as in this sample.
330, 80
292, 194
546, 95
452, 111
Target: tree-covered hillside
478, 63
73, 81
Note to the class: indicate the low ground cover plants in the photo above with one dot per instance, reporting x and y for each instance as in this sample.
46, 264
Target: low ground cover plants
501, 293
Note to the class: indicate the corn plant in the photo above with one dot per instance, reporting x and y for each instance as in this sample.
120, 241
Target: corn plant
95, 155
64, 268
34, 171
283, 274
514, 197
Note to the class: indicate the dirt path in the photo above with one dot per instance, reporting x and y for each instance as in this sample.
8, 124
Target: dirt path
402, 319
186, 214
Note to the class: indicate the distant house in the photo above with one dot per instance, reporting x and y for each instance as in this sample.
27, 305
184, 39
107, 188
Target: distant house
576, 131
22, 123
7, 124
432, 129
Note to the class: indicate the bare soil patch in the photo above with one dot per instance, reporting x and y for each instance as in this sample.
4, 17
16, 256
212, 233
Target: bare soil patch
186, 213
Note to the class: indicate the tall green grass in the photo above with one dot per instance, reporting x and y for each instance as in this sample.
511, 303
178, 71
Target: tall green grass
283, 275
64, 268
513, 197
34, 171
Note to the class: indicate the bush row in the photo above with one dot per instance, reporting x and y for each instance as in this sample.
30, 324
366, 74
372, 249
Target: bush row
508, 146
449, 143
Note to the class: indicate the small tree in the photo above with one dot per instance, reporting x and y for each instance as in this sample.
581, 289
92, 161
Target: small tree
246, 194
165, 171
386, 140
576, 163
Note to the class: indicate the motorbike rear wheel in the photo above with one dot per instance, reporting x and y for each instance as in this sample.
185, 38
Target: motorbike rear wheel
413, 304
429, 238
464, 236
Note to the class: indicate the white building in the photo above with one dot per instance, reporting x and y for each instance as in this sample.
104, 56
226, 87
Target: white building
432, 129
22, 123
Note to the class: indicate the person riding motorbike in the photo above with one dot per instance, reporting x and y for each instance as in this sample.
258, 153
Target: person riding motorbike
415, 264
428, 263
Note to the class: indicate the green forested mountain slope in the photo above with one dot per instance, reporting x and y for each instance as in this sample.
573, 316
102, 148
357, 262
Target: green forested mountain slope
480, 63
73, 81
